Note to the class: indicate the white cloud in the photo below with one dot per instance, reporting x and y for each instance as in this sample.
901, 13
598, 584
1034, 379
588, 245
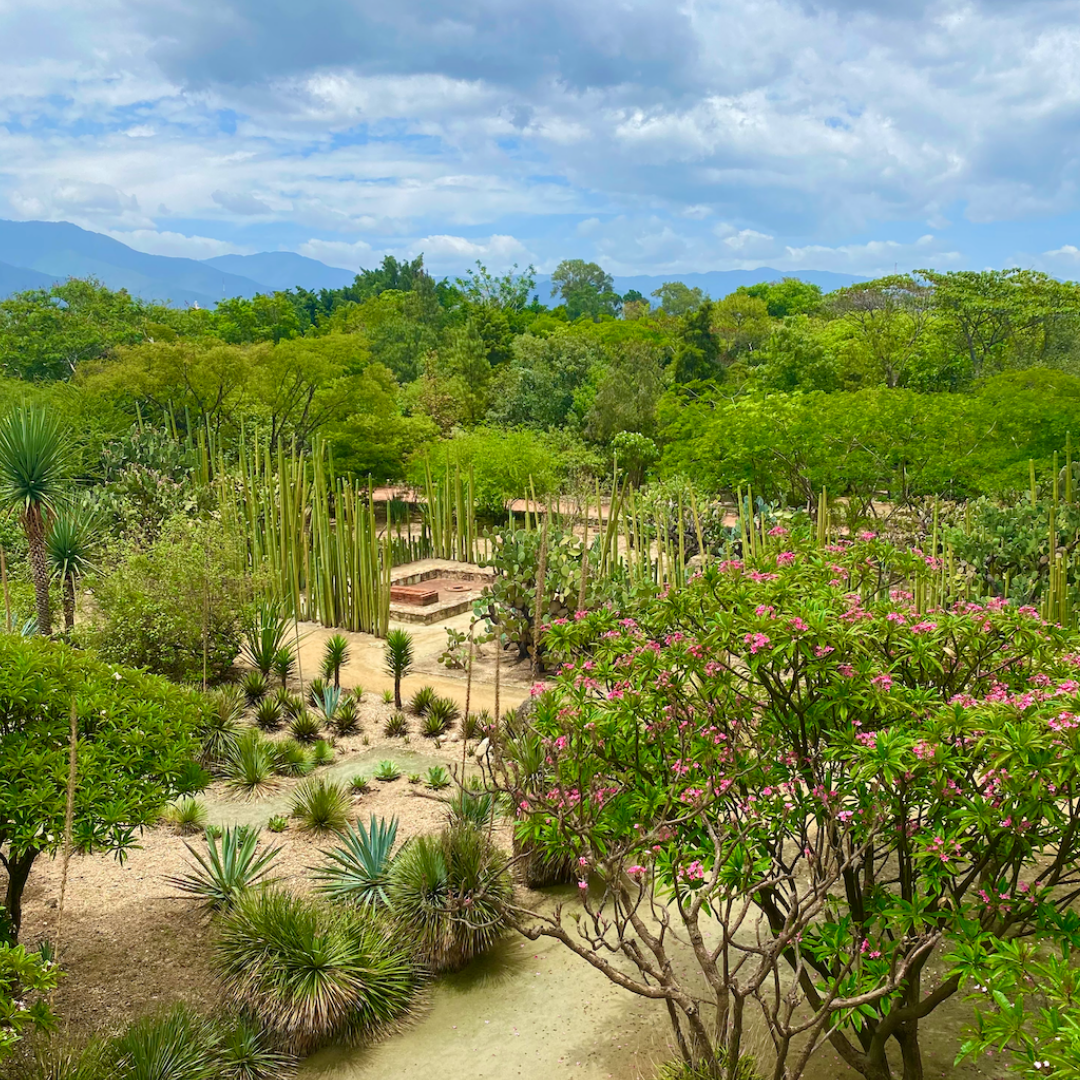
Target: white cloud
176, 244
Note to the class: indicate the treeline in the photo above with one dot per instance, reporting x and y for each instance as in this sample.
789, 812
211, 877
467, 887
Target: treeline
930, 383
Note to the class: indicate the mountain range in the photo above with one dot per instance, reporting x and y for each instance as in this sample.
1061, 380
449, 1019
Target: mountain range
37, 254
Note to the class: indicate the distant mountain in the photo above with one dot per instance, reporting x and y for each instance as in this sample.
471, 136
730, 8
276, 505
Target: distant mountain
63, 250
716, 284
15, 279
280, 270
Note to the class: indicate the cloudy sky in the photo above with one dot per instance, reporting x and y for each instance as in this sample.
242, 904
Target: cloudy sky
652, 136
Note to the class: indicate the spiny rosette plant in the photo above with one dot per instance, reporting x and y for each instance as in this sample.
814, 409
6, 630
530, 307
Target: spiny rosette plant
833, 778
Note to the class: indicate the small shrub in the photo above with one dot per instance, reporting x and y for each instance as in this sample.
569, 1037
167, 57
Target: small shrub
193, 777
441, 714
245, 1052
452, 894
357, 871
387, 771
176, 1045
475, 808
268, 714
438, 779
415, 778
388, 697
292, 759
328, 703
215, 832
222, 726
475, 725
315, 691
264, 636
321, 806
357, 692
322, 753
396, 726
255, 686
278, 823
251, 768
422, 699
346, 719
187, 815
310, 973
292, 705
305, 727
360, 784
745, 1069
227, 870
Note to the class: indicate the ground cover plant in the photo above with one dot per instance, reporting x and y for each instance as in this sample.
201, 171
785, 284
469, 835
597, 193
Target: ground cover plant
793, 745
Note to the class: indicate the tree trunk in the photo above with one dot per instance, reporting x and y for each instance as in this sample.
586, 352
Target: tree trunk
397, 692
69, 603
908, 1038
34, 523
18, 868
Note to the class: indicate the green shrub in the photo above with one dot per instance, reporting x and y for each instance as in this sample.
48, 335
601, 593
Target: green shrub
255, 685
746, 1069
305, 727
440, 716
315, 692
451, 894
388, 697
153, 603
422, 699
265, 630
245, 1052
177, 1045
476, 808
356, 872
346, 718
475, 725
251, 767
309, 973
322, 753
268, 714
321, 806
187, 815
291, 704
227, 870
292, 759
396, 726
222, 726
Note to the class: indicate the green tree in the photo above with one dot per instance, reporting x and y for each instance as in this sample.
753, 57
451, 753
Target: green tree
697, 354
789, 296
137, 735
796, 358
70, 546
628, 389
677, 298
585, 288
33, 483
399, 659
742, 324
481, 288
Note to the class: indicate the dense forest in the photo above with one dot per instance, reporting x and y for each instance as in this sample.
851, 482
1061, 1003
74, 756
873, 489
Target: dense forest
910, 385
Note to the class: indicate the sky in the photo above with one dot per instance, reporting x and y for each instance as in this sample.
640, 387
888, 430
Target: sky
859, 136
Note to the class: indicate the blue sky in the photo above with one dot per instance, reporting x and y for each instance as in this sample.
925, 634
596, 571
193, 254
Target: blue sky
849, 135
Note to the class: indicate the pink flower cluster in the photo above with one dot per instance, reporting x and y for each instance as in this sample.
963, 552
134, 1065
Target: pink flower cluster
757, 642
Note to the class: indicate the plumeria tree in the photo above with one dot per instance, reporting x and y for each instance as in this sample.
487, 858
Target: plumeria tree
803, 784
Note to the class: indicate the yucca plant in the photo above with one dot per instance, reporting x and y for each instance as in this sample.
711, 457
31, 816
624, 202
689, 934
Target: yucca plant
475, 725
356, 871
264, 636
422, 699
268, 714
311, 973
255, 685
321, 806
187, 814
451, 894
292, 758
230, 867
305, 727
175, 1045
438, 779
94, 1061
396, 725
284, 663
388, 697
245, 1052
387, 771
223, 728
70, 547
399, 659
335, 657
250, 768
34, 471
315, 691
441, 714
322, 753
346, 719
475, 808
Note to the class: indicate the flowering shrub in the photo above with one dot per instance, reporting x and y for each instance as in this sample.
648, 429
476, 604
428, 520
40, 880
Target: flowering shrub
806, 771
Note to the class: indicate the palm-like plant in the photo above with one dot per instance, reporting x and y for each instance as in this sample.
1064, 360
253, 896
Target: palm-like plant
222, 731
70, 547
34, 457
321, 806
399, 659
264, 635
357, 871
335, 657
230, 867
311, 973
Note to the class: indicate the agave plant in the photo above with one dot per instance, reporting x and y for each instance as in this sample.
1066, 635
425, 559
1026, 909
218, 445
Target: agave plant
322, 753
328, 703
321, 806
305, 727
268, 714
387, 771
335, 657
264, 636
231, 866
422, 699
311, 973
475, 725
396, 725
475, 808
438, 778
346, 719
452, 894
222, 732
255, 685
440, 716
360, 784
357, 871
399, 659
315, 691
250, 768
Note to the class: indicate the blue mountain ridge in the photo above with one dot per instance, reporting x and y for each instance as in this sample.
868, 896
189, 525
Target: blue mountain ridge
35, 254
